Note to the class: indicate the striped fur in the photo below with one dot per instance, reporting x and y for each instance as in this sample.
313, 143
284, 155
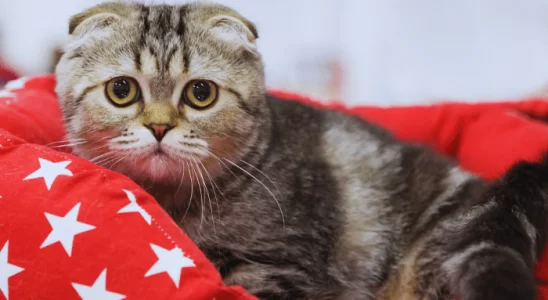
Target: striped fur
290, 201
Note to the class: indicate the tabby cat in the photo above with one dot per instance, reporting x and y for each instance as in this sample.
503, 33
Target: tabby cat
287, 200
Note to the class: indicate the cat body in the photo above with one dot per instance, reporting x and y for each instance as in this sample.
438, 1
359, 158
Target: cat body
287, 200
334, 221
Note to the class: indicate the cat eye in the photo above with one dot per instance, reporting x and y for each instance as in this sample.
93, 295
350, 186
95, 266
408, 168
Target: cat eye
122, 91
200, 94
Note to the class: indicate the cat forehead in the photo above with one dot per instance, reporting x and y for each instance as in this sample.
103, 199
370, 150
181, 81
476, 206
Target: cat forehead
167, 41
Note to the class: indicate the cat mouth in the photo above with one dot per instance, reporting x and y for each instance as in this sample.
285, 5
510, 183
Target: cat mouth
158, 151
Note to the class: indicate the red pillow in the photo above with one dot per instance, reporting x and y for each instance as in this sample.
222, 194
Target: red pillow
72, 230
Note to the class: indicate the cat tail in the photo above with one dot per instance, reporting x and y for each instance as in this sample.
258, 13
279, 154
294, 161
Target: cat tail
495, 257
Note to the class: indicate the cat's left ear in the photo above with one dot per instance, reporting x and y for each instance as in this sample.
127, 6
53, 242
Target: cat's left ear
235, 31
98, 17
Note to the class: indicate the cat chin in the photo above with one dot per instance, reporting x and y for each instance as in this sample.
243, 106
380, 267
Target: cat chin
155, 168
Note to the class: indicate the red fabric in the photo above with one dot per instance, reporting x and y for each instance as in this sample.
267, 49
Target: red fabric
6, 73
485, 138
87, 233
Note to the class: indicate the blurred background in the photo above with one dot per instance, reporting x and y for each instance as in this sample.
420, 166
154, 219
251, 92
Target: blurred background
382, 52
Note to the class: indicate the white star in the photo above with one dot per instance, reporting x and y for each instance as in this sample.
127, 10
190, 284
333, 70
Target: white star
6, 270
50, 170
134, 207
171, 262
16, 84
6, 94
98, 290
65, 228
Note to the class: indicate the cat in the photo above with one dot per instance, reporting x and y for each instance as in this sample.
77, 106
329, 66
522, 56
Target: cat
287, 200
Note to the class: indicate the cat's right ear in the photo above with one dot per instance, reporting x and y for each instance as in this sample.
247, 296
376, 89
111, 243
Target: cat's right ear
97, 17
234, 30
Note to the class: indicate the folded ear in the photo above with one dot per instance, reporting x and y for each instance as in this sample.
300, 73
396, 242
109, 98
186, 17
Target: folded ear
233, 30
97, 17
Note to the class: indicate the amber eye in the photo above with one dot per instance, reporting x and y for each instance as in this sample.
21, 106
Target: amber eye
200, 94
122, 91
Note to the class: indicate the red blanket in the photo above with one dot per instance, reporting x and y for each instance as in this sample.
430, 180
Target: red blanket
72, 230
6, 73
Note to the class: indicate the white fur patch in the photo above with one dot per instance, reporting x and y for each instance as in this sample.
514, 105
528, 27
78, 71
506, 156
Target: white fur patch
361, 164
148, 63
176, 65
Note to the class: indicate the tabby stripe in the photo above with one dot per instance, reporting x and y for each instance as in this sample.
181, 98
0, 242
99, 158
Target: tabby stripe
186, 60
170, 57
453, 182
76, 53
241, 103
531, 232
476, 252
455, 262
493, 222
164, 21
156, 58
86, 91
181, 31
145, 13
452, 204
137, 59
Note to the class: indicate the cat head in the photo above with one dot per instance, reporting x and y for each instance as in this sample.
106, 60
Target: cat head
151, 90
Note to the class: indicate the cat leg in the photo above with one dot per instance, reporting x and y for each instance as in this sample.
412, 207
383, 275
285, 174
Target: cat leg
486, 250
501, 239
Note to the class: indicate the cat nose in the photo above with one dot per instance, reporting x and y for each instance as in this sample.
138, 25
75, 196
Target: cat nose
159, 130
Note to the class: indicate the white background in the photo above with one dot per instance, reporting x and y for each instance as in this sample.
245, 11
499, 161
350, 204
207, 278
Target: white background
392, 51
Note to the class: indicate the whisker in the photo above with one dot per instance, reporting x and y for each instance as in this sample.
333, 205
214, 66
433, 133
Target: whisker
68, 145
251, 166
266, 176
191, 189
96, 158
201, 195
208, 197
264, 186
77, 140
116, 162
181, 181
215, 186
95, 148
220, 161
107, 160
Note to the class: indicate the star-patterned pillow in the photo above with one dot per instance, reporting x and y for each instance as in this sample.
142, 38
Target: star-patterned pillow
72, 230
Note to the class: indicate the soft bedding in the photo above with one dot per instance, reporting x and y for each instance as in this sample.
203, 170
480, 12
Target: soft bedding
72, 230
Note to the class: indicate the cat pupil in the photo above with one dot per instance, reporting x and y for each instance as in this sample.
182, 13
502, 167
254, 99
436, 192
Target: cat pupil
201, 91
121, 88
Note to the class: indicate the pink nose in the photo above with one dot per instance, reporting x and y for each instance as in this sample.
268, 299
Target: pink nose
159, 130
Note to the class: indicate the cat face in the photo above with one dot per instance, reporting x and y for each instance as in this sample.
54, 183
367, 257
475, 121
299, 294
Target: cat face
153, 90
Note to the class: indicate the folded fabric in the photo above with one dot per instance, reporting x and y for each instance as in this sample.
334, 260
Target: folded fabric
72, 230
6, 73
